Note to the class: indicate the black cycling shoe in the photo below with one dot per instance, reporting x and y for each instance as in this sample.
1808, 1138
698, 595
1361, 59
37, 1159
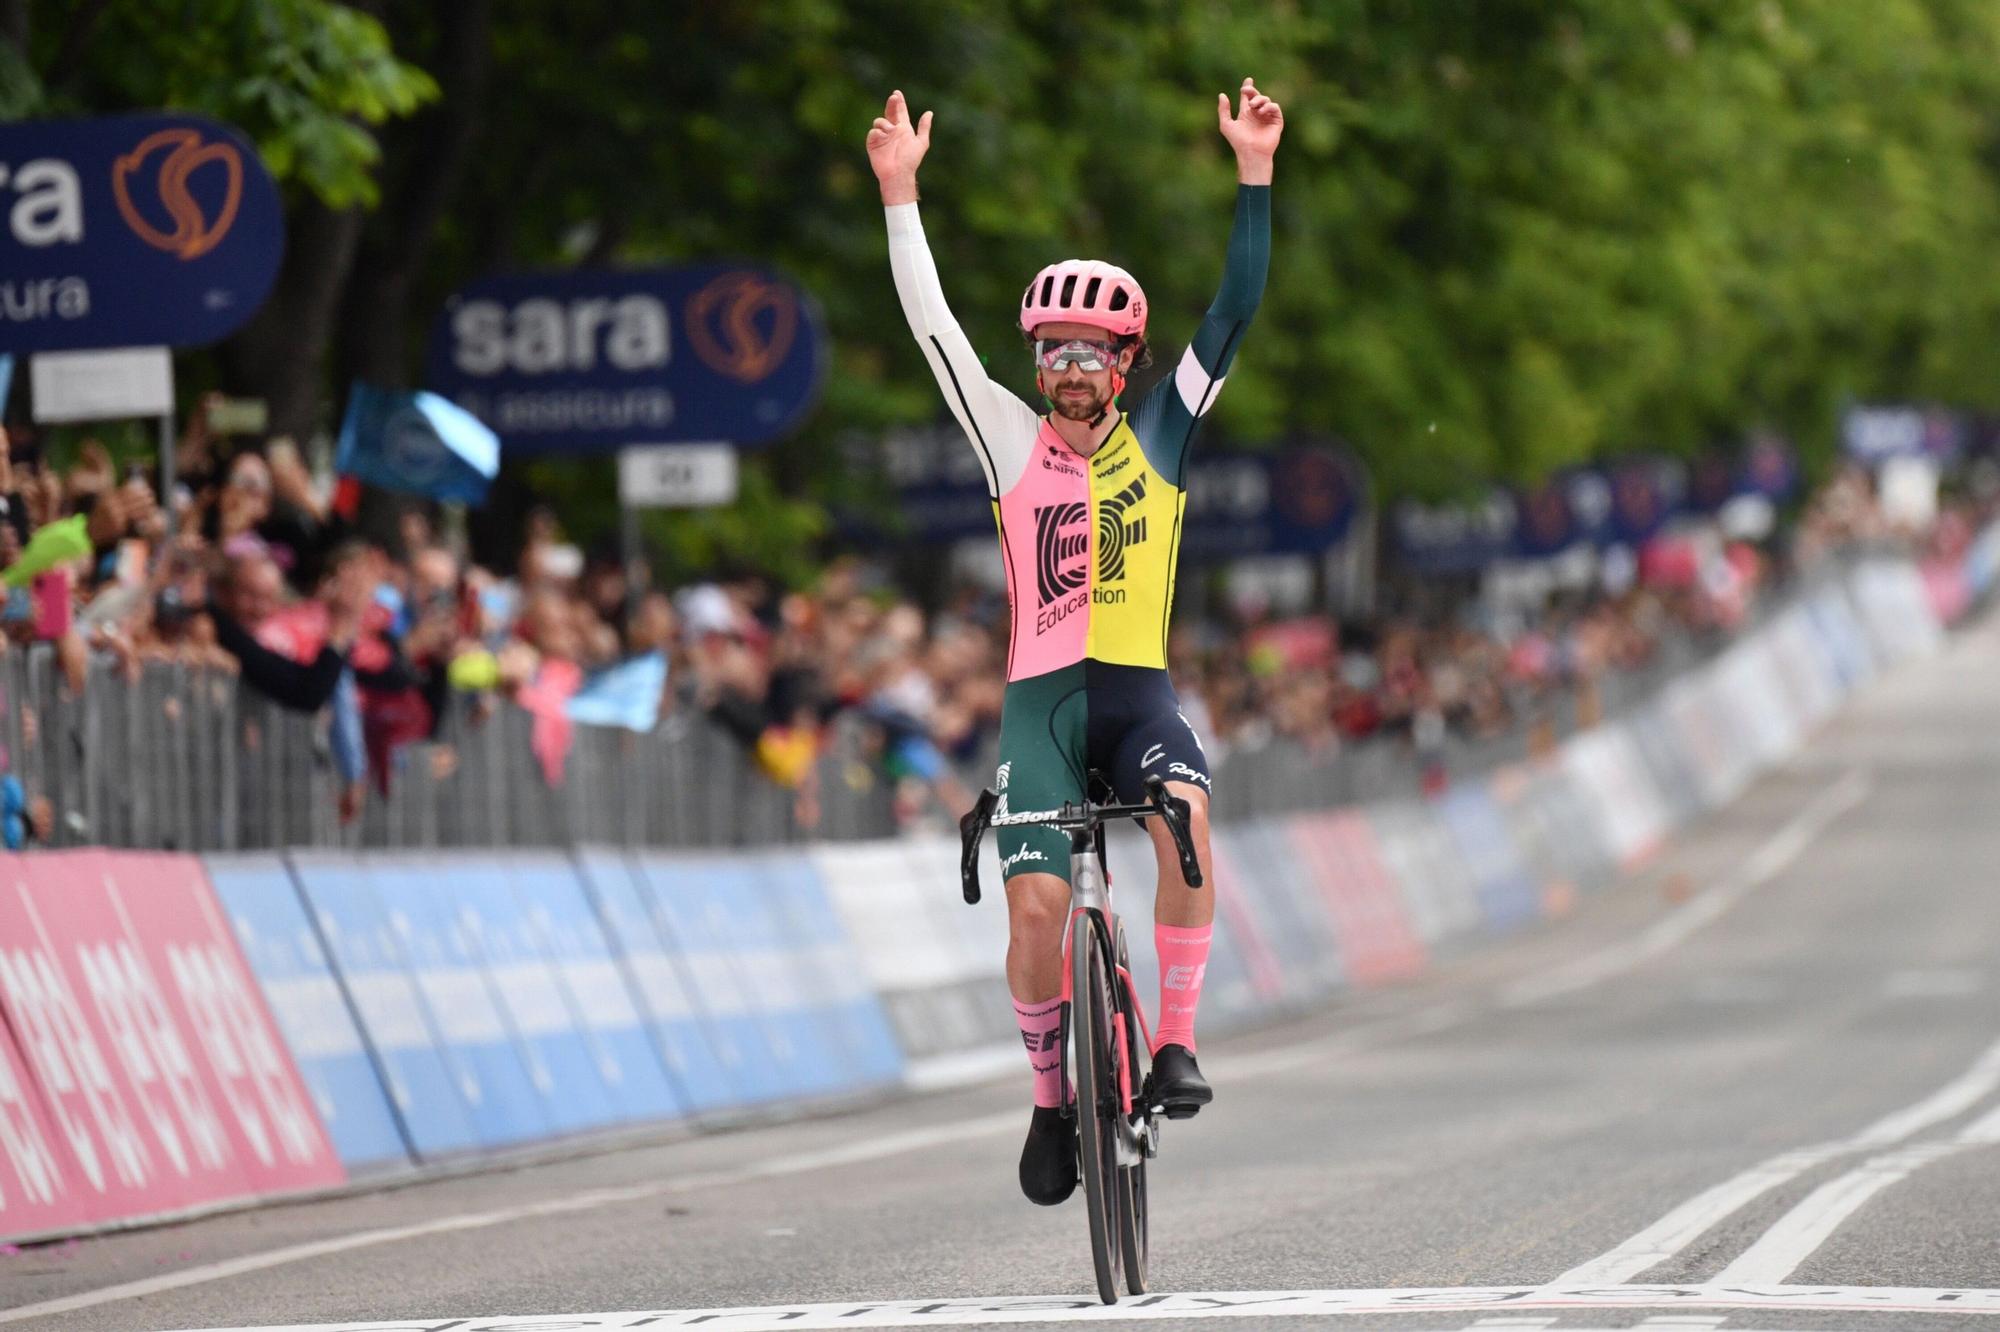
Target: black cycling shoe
1048, 1161
1176, 1082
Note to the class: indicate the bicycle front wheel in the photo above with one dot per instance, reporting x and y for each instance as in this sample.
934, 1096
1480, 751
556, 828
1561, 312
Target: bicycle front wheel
1132, 1179
1097, 1107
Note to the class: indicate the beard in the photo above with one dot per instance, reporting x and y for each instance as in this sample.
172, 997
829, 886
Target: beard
1078, 409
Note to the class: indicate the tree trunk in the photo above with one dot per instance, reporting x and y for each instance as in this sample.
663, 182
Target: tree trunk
280, 356
427, 159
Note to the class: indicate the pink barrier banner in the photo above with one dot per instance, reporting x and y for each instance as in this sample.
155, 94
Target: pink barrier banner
1378, 943
36, 1170
159, 1066
1266, 971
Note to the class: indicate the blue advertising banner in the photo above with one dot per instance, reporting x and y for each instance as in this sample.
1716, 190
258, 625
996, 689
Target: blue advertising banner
132, 231
856, 1028
1873, 434
564, 922
431, 1094
589, 362
566, 1071
310, 1007
679, 1027
1454, 538
506, 1089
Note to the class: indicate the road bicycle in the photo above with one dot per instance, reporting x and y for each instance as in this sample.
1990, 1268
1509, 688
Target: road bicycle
1103, 1027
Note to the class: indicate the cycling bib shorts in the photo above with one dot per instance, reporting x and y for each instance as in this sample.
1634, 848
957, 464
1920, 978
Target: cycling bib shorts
1056, 728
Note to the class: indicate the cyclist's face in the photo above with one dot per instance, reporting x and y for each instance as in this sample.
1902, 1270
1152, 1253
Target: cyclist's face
1079, 394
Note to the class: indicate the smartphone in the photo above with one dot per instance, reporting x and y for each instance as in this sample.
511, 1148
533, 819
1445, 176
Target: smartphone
55, 609
239, 416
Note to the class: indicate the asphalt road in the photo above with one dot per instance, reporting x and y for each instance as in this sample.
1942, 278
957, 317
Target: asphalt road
1754, 1086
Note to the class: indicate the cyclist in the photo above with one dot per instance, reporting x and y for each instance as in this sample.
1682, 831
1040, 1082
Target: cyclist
1088, 499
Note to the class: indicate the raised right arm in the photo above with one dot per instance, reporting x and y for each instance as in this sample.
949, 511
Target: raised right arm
1001, 427
997, 422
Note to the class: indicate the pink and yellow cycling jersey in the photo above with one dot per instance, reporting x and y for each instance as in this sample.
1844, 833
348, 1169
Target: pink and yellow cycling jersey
1090, 543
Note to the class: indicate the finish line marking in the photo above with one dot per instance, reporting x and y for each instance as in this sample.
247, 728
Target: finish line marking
1230, 1304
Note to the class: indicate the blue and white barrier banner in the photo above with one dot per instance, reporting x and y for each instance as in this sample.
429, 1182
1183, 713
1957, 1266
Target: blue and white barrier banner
1508, 895
707, 908
1437, 887
944, 989
860, 1038
311, 1009
1273, 863
562, 925
508, 1089
700, 1065
431, 1095
1604, 764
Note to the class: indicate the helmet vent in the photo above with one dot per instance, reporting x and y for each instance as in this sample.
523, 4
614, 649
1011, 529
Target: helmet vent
1048, 288
1120, 298
1069, 288
1090, 292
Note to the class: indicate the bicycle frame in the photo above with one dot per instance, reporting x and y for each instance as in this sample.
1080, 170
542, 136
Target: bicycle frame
1090, 896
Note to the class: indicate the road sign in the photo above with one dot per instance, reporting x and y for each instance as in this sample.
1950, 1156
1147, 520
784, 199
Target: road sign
677, 476
102, 385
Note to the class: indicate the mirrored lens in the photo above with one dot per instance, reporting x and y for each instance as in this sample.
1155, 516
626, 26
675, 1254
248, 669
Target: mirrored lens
1082, 353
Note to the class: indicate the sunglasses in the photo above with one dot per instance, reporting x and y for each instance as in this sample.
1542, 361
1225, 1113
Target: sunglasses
1085, 355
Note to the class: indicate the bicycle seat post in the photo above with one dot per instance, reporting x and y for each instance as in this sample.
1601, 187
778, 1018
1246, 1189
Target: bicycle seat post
1087, 888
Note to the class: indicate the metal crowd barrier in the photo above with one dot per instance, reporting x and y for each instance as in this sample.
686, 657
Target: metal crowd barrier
184, 758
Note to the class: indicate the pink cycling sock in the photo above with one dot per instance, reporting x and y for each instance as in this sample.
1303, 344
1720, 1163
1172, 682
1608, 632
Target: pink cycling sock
1183, 960
1040, 1032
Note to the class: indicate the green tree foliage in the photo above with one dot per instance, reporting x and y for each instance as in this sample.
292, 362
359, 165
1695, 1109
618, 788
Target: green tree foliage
304, 78
1510, 234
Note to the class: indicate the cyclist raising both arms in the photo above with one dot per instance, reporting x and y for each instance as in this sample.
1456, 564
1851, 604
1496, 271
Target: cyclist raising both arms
1089, 501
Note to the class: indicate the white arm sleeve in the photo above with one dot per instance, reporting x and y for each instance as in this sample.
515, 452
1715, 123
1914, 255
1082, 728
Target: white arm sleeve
1001, 427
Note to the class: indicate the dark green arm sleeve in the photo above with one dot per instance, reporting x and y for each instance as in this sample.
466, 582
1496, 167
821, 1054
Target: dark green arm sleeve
1165, 422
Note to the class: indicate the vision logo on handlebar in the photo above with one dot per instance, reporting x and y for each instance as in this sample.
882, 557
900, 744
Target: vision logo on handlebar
1081, 822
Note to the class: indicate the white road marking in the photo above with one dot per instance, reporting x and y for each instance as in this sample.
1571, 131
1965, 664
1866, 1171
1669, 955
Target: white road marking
1769, 860
1684, 1224
1217, 1304
868, 1149
1933, 983
1794, 1236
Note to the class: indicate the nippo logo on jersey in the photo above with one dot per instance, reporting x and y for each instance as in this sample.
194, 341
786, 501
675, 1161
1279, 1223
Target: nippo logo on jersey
593, 361
132, 231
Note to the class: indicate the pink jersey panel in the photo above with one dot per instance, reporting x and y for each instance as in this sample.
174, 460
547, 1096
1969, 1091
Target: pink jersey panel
1045, 519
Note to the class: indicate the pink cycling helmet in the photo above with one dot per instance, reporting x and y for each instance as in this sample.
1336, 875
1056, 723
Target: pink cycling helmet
1085, 291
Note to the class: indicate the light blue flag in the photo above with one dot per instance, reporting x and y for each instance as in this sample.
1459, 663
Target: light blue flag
627, 694
416, 443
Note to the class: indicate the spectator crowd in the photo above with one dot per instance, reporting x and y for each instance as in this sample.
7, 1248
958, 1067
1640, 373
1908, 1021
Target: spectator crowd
258, 569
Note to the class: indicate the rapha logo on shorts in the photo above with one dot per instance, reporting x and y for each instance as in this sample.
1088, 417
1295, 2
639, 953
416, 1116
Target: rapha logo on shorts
1183, 770
1062, 549
1153, 755
1025, 853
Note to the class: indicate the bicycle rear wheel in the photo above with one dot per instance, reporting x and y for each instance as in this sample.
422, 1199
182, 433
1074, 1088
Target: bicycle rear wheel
1096, 1097
1132, 1236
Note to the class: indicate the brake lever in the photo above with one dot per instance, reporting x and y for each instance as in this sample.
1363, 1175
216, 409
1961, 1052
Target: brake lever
971, 827
1175, 811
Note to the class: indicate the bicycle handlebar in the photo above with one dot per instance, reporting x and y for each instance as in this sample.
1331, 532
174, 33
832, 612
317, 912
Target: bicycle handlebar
1160, 803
